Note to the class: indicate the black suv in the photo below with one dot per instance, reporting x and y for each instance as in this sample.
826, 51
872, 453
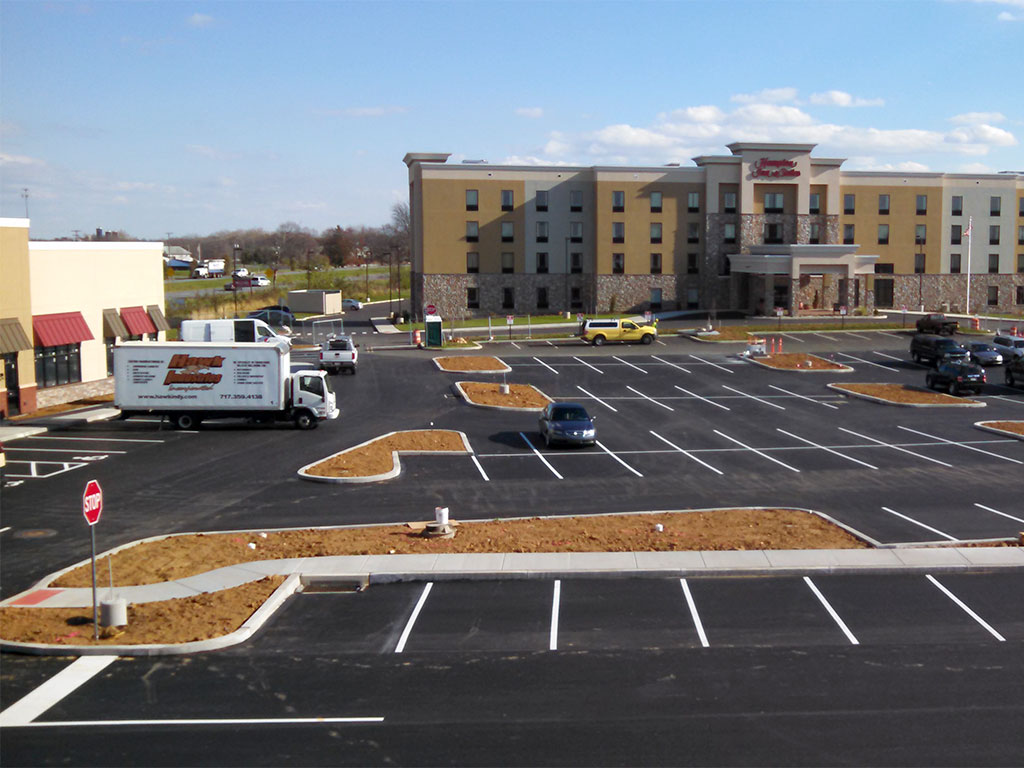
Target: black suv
928, 346
957, 377
1014, 371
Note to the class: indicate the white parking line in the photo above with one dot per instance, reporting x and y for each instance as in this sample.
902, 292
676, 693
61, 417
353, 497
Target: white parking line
515, 345
891, 357
869, 362
826, 336
831, 611
556, 598
894, 447
594, 367
95, 439
804, 397
693, 613
208, 721
891, 335
475, 461
917, 522
965, 608
759, 453
603, 448
830, 450
412, 618
791, 337
715, 365
71, 677
738, 392
997, 512
545, 365
595, 397
646, 397
686, 453
962, 445
629, 364
666, 362
710, 402
858, 335
62, 450
65, 466
541, 457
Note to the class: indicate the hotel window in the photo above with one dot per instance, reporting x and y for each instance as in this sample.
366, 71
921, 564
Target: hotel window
542, 231
919, 263
542, 263
618, 232
58, 365
507, 200
884, 268
921, 234
1020, 295
692, 298
815, 234
922, 205
472, 298
576, 262
541, 199
655, 202
884, 293
993, 235
618, 201
993, 295
957, 208
693, 232
508, 263
576, 231
883, 205
655, 263
618, 263
508, 231
773, 233
472, 262
508, 298
847, 234
472, 200
1020, 206
692, 265
883, 234
472, 231
729, 202
542, 298
995, 205
954, 263
815, 206
728, 233
693, 202
956, 234
655, 232
773, 202
575, 300
849, 204
1020, 263
993, 263
575, 200
1020, 235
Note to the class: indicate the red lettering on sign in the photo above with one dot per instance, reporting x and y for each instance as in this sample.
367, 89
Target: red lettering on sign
765, 168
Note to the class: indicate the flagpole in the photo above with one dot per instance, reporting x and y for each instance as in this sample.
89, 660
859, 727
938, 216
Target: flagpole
970, 223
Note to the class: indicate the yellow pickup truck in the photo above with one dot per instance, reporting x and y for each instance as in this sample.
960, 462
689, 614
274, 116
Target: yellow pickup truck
597, 332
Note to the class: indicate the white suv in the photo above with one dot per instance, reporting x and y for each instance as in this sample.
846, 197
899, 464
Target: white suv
1009, 346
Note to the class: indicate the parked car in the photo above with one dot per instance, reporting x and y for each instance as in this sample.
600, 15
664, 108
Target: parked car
1014, 371
956, 377
934, 349
259, 281
984, 354
937, 323
274, 317
282, 307
351, 304
200, 271
597, 332
1009, 346
240, 272
570, 423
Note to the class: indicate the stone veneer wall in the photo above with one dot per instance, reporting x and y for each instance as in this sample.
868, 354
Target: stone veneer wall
448, 293
67, 393
948, 293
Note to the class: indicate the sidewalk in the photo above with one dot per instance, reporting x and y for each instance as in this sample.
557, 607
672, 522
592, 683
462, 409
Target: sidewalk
13, 430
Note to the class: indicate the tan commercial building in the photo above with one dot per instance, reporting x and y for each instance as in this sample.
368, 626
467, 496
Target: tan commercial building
63, 307
768, 226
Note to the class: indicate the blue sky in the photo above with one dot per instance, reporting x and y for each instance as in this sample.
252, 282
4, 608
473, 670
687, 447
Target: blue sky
193, 117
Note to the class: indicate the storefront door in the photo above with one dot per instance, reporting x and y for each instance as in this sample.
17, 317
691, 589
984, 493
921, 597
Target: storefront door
10, 379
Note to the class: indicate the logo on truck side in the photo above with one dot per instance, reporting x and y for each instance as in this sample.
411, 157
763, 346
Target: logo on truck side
187, 370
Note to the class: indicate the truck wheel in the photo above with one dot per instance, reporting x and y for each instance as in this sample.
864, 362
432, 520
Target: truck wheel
1009, 378
185, 421
647, 338
952, 389
598, 341
305, 420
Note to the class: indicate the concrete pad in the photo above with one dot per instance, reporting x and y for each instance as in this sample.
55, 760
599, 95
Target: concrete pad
867, 558
993, 555
536, 561
675, 561
97, 414
471, 562
282, 567
7, 434
400, 563
740, 560
801, 558
944, 556
602, 561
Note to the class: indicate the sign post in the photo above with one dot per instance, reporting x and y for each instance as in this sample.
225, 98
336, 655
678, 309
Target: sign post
510, 321
92, 508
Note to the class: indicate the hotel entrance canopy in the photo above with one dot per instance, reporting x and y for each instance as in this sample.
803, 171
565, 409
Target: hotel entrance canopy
796, 260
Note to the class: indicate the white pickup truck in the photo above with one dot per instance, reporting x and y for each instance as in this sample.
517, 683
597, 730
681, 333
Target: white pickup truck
339, 354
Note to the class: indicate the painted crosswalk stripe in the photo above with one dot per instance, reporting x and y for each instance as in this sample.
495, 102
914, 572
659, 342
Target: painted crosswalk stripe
73, 676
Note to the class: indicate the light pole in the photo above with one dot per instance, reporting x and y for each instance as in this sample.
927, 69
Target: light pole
235, 250
309, 252
566, 305
390, 312
364, 252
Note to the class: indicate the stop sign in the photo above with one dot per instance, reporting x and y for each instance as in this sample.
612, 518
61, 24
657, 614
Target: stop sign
92, 502
431, 309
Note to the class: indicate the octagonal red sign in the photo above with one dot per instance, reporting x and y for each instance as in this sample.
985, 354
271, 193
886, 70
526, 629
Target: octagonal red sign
92, 502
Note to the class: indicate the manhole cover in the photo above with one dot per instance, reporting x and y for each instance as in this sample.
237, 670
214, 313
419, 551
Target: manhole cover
35, 533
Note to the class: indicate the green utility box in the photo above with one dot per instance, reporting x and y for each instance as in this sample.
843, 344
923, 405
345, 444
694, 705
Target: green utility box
433, 325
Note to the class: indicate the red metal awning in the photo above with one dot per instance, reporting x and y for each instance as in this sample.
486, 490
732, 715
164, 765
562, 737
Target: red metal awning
137, 320
60, 328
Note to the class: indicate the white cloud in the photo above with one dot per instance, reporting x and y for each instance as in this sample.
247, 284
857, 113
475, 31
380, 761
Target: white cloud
200, 20
527, 160
969, 118
533, 112
766, 96
6, 159
1007, 16
844, 99
975, 168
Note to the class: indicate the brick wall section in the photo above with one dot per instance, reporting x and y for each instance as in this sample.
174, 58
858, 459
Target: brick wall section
70, 392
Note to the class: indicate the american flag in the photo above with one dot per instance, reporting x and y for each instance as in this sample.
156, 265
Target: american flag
970, 223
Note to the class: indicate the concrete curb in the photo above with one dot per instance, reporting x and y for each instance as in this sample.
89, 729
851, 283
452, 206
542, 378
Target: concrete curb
841, 369
470, 401
983, 425
884, 401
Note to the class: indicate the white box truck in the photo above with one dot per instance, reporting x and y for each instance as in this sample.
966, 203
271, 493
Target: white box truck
190, 382
229, 331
